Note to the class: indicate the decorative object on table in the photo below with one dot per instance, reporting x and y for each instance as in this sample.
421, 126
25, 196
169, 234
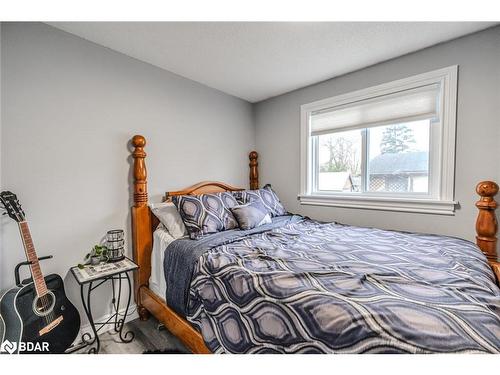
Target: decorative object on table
97, 255
115, 241
95, 276
36, 311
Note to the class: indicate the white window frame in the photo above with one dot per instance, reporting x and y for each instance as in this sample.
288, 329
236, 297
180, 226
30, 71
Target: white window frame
440, 199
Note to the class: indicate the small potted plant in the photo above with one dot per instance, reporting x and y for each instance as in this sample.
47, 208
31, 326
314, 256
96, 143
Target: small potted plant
97, 255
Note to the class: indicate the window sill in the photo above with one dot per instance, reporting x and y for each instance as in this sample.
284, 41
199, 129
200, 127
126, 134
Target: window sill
425, 206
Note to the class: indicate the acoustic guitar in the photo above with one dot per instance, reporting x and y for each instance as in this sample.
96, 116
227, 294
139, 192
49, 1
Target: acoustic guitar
36, 317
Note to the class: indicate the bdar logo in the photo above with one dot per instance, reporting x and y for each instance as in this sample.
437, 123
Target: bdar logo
8, 347
23, 347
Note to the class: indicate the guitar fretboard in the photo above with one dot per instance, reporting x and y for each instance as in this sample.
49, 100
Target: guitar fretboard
29, 248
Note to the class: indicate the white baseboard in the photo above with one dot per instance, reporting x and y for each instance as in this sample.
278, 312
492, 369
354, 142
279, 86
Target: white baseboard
132, 311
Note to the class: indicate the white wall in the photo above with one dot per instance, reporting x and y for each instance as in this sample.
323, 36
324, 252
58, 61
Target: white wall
69, 110
478, 132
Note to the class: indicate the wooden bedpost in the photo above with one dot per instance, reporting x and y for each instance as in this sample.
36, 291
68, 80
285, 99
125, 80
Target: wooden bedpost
141, 222
140, 172
486, 224
254, 172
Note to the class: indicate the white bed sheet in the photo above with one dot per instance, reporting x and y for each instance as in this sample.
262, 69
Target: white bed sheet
161, 239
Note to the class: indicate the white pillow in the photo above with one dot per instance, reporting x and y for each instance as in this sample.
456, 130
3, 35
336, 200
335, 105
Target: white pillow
169, 216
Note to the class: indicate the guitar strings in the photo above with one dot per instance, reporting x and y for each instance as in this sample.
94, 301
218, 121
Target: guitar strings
44, 299
46, 304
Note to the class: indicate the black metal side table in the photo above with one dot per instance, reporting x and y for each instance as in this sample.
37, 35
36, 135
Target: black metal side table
93, 277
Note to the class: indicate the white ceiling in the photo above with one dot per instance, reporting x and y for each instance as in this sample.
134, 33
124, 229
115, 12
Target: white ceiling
256, 61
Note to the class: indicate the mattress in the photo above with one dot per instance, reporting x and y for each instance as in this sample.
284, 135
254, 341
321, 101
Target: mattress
161, 240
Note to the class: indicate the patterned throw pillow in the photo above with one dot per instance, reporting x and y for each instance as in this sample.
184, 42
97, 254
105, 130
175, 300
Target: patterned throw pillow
206, 213
266, 196
251, 215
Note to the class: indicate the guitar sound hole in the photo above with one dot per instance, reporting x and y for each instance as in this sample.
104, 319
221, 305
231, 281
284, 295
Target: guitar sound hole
44, 305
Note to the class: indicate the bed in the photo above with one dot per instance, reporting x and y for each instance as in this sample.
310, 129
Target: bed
301, 286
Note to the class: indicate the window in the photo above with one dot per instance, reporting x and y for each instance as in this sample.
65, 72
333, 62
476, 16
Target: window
388, 147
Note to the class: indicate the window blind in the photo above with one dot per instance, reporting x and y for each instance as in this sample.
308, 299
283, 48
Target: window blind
404, 106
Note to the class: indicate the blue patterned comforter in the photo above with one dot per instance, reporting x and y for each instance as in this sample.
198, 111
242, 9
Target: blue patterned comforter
310, 287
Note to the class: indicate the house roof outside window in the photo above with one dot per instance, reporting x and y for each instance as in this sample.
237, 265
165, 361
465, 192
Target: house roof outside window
414, 162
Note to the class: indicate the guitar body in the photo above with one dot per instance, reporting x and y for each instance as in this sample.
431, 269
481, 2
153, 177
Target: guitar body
55, 322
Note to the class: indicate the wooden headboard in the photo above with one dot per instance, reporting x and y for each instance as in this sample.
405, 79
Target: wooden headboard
144, 222
203, 187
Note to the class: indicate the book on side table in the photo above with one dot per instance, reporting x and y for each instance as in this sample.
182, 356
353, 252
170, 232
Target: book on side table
90, 272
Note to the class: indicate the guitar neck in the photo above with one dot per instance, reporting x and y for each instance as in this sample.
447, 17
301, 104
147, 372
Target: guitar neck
29, 249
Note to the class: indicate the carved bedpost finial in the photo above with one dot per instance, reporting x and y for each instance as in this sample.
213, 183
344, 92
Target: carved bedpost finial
254, 172
486, 224
140, 173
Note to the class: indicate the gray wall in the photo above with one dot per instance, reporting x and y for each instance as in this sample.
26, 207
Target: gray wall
478, 132
69, 108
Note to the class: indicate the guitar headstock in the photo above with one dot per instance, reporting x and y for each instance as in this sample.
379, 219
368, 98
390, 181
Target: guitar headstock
12, 206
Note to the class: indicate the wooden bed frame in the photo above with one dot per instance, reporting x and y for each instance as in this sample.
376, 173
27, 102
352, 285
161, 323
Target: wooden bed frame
144, 223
